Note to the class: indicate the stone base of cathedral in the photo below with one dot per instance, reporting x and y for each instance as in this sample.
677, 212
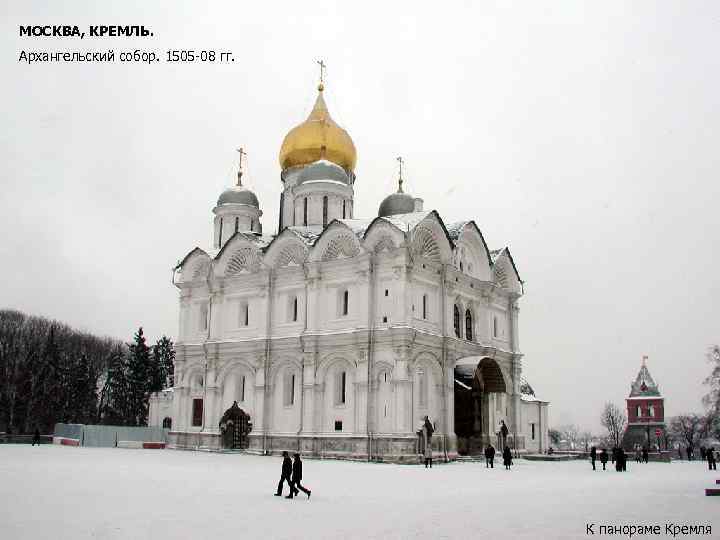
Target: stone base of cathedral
384, 448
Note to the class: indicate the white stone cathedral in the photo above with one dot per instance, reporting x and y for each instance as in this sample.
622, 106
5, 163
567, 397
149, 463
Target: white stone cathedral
338, 334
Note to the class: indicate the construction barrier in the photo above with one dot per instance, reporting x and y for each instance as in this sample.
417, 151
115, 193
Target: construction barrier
110, 436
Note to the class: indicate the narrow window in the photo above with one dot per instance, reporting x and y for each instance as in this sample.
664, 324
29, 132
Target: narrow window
341, 388
325, 210
468, 325
387, 293
203, 317
220, 233
237, 224
346, 298
495, 327
424, 306
292, 389
343, 208
197, 414
651, 411
294, 309
305, 211
532, 427
289, 389
242, 389
422, 389
384, 318
456, 320
244, 314
639, 411
167, 422
338, 425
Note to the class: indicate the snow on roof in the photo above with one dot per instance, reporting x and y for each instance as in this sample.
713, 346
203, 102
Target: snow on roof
308, 233
455, 229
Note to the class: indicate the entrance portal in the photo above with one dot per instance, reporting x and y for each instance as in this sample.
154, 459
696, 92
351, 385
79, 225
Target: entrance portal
235, 425
475, 381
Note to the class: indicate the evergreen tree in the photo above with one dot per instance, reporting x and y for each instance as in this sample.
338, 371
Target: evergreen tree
115, 393
138, 376
165, 351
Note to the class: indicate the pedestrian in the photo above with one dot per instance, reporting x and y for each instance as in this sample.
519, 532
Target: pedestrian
689, 452
614, 454
702, 453
285, 474
638, 454
603, 458
507, 458
504, 431
645, 454
428, 430
593, 457
297, 477
490, 456
36, 437
712, 464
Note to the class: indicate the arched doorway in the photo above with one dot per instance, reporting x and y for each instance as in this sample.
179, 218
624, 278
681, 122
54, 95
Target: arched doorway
235, 425
478, 382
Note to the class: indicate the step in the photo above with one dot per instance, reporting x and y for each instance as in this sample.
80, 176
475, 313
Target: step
712, 492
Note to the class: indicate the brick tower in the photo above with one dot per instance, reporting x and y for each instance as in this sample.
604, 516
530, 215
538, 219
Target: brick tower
645, 412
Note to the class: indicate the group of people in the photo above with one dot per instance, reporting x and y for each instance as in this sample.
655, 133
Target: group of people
641, 454
709, 455
490, 457
619, 457
292, 474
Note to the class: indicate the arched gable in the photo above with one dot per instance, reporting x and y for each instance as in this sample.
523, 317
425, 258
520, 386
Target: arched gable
279, 364
471, 252
337, 241
430, 240
194, 267
381, 235
233, 366
505, 274
429, 360
381, 367
191, 371
238, 256
286, 250
332, 360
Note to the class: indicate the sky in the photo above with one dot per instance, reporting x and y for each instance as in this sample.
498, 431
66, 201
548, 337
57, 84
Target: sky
582, 135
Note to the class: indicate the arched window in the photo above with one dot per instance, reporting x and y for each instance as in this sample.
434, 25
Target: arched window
242, 389
345, 302
294, 309
289, 389
244, 314
456, 320
325, 210
305, 211
639, 411
220, 233
651, 411
237, 224
495, 327
468, 325
425, 306
167, 422
343, 208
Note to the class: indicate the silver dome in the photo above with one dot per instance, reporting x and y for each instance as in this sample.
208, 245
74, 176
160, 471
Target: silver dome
397, 203
238, 195
323, 170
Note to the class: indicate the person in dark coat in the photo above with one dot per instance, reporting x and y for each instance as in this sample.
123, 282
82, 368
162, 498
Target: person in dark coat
296, 477
36, 437
712, 464
285, 475
702, 453
645, 454
603, 458
593, 456
507, 458
490, 456
690, 453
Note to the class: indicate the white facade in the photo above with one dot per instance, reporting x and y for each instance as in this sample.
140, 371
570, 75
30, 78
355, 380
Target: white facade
337, 340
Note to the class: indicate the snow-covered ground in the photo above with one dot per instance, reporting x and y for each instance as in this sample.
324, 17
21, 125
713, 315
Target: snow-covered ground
65, 492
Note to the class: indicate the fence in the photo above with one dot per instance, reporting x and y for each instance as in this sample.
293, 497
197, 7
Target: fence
110, 436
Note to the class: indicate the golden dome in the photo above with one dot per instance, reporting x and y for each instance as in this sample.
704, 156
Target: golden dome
318, 137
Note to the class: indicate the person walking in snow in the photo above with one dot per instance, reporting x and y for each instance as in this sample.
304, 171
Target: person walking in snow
645, 454
36, 437
712, 464
603, 458
507, 458
638, 454
285, 474
297, 477
490, 456
428, 429
593, 456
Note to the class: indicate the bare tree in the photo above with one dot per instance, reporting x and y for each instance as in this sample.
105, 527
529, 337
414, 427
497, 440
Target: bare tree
688, 428
613, 419
570, 433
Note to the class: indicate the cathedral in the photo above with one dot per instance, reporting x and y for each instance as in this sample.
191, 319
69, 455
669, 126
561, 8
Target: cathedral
338, 335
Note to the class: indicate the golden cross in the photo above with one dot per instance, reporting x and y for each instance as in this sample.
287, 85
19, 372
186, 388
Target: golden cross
241, 153
400, 178
322, 65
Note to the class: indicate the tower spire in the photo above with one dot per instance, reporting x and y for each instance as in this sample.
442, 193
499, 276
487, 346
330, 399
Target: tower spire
400, 177
323, 66
241, 153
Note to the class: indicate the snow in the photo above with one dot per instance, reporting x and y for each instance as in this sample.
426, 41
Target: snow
77, 493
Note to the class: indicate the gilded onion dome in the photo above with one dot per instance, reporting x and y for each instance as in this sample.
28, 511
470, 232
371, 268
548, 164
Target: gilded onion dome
318, 137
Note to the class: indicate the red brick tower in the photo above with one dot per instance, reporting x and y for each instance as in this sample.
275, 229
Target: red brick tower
645, 412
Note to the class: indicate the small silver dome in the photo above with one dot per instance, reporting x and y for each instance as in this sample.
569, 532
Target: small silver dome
397, 203
238, 195
323, 170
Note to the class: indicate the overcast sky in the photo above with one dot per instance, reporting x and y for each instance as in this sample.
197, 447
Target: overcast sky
585, 137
